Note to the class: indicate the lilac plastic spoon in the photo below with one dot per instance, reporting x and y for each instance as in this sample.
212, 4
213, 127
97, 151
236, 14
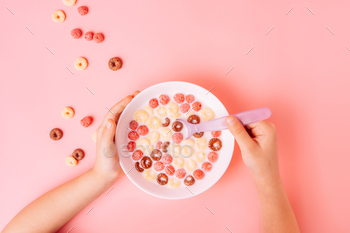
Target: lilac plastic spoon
247, 117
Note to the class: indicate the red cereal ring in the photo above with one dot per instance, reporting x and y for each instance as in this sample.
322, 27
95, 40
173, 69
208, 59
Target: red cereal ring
198, 174
159, 145
133, 125
137, 155
131, 146
170, 170
76, 33
89, 36
153, 103
206, 166
179, 98
158, 166
213, 157
177, 138
189, 98
142, 130
83, 10
197, 106
164, 99
133, 135
86, 121
98, 37
162, 179
216, 134
180, 173
167, 159
185, 107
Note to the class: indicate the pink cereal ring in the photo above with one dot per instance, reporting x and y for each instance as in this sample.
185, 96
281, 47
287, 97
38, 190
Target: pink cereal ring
180, 173
86, 121
179, 98
83, 10
158, 166
197, 106
189, 98
198, 174
137, 155
133, 125
159, 145
167, 159
170, 170
213, 157
142, 130
133, 135
131, 146
216, 133
206, 166
98, 37
164, 99
185, 107
177, 138
89, 36
153, 103
76, 33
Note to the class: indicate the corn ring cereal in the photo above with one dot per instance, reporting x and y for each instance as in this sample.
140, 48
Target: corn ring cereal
172, 108
81, 63
199, 156
189, 142
58, 16
201, 143
178, 162
67, 113
149, 174
71, 161
187, 151
148, 109
154, 123
174, 150
190, 165
207, 114
161, 111
153, 136
144, 145
165, 134
175, 116
69, 2
174, 183
141, 116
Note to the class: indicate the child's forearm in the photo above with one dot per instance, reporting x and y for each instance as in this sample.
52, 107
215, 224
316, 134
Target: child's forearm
52, 210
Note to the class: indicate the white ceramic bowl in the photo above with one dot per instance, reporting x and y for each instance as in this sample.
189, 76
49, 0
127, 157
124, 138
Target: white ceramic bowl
170, 89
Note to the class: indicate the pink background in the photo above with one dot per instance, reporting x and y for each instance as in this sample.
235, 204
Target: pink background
299, 69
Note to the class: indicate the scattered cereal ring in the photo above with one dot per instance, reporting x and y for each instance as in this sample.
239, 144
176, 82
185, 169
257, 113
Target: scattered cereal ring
172, 108
83, 10
150, 175
207, 114
199, 156
115, 63
174, 183
215, 144
198, 134
56, 134
162, 179
164, 99
158, 166
159, 145
133, 135
206, 166
213, 157
175, 116
137, 155
81, 63
146, 162
187, 151
177, 126
141, 116
178, 162
86, 121
165, 146
153, 103
165, 134
189, 180
174, 150
133, 125
98, 37
76, 33
179, 98
156, 155
154, 123
194, 119
70, 161
201, 143
67, 113
78, 154
148, 109
177, 137
167, 159
216, 134
142, 130
94, 137
198, 174
196, 106
170, 170
180, 173
58, 16
167, 122
131, 146
190, 165
189, 98
138, 168
89, 36
153, 136
69, 2
185, 108
161, 111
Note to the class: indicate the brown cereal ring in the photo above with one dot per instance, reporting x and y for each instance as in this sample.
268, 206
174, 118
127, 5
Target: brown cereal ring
165, 146
115, 63
215, 144
198, 135
167, 122
56, 134
156, 155
177, 126
194, 119
78, 154
189, 180
162, 179
146, 162
138, 168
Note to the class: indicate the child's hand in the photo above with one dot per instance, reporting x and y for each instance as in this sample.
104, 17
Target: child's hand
258, 147
107, 160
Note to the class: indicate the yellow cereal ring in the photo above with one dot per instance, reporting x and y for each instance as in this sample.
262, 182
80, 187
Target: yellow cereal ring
69, 2
81, 63
148, 109
141, 116
153, 136
175, 116
187, 151
201, 143
165, 134
58, 16
161, 111
190, 165
154, 123
199, 156
174, 150
94, 137
174, 183
178, 162
206, 114
144, 145
71, 161
67, 113
189, 142
172, 108
149, 174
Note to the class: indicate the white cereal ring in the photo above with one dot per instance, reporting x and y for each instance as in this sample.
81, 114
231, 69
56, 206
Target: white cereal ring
206, 114
174, 183
201, 143
172, 108
154, 123
149, 174
141, 116
187, 151
161, 111
190, 165
58, 16
153, 136
174, 150
189, 142
165, 134
178, 162
81, 63
69, 2
94, 137
144, 145
175, 116
148, 109
199, 156
67, 113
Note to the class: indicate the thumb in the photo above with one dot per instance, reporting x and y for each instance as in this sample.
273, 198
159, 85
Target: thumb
242, 137
107, 145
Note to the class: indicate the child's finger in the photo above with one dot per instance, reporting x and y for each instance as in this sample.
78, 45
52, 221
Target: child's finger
242, 137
